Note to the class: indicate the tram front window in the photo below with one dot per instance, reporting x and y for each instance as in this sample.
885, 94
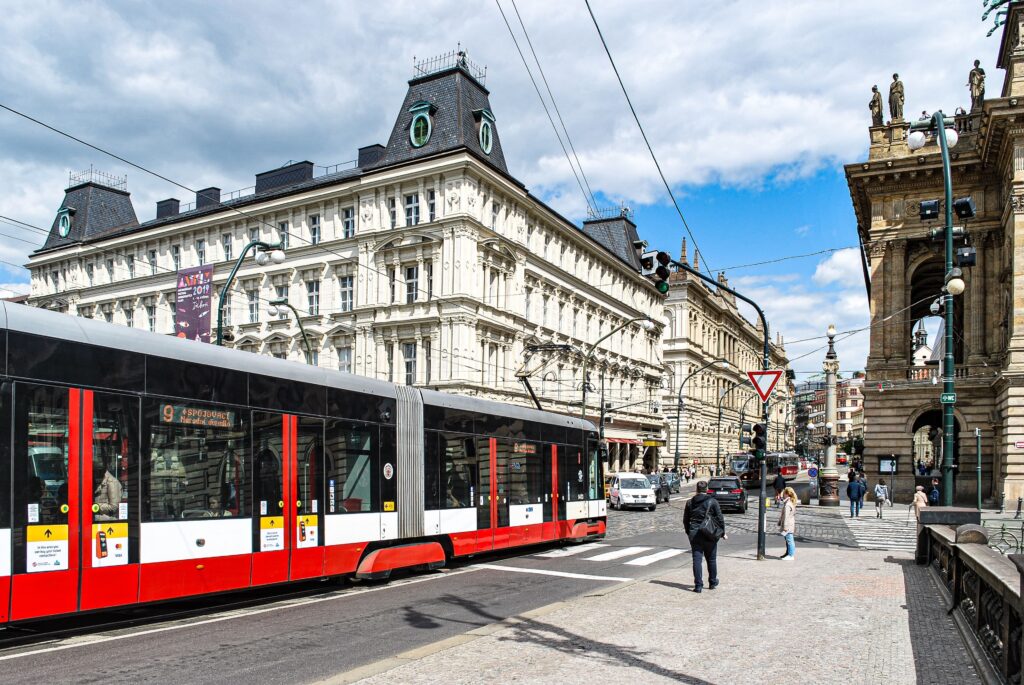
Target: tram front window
194, 464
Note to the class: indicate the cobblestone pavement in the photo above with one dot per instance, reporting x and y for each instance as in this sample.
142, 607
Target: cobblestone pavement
876, 615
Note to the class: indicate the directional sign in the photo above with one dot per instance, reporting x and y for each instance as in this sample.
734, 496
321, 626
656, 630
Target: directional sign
947, 398
764, 382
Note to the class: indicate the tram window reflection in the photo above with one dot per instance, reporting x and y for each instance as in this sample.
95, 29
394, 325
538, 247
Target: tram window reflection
46, 430
525, 473
195, 464
267, 472
351, 450
114, 450
458, 469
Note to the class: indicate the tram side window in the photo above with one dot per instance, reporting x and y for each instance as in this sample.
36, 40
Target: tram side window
114, 454
431, 471
572, 473
351, 451
594, 472
525, 473
458, 470
195, 461
41, 430
310, 475
267, 469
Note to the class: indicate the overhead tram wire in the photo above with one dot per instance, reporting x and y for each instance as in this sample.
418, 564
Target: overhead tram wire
591, 203
554, 104
654, 157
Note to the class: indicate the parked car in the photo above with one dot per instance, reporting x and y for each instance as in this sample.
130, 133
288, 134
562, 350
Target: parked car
660, 487
729, 492
631, 490
673, 480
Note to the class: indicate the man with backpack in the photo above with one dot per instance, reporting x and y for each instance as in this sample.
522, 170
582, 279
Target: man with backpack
934, 495
704, 526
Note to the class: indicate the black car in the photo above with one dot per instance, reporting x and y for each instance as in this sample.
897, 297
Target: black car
729, 492
660, 486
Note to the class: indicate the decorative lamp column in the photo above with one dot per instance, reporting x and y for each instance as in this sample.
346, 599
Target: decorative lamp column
828, 478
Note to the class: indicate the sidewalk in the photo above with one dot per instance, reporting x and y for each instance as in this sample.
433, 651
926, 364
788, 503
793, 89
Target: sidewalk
834, 615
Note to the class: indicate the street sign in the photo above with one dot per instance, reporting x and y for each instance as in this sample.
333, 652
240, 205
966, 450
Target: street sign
812, 473
947, 398
764, 382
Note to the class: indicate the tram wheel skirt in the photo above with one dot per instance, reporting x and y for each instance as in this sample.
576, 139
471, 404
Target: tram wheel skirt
381, 562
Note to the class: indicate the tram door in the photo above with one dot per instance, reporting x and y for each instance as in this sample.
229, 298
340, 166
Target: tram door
46, 504
305, 452
486, 493
272, 437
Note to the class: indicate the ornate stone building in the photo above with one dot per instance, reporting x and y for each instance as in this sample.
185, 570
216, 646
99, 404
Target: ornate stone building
704, 324
904, 271
426, 263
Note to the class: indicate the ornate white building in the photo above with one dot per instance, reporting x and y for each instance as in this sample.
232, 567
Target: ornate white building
426, 263
704, 324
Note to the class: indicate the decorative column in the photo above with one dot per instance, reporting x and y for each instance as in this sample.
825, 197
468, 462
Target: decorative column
828, 479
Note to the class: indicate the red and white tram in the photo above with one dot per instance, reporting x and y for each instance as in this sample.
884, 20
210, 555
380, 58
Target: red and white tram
136, 467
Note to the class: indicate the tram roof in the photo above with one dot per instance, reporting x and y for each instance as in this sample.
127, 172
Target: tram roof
36, 321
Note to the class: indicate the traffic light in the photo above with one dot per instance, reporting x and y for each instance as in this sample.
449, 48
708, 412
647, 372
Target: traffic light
661, 272
647, 263
744, 438
759, 441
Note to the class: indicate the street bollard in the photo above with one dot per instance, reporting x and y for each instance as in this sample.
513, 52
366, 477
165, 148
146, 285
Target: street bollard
1020, 501
1002, 502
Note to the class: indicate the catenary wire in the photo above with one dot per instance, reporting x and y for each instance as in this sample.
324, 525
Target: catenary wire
546, 111
644, 134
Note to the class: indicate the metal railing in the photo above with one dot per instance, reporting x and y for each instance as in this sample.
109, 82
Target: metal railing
984, 586
92, 175
449, 60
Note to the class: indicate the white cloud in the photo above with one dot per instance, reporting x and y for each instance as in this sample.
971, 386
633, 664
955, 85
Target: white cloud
842, 266
802, 230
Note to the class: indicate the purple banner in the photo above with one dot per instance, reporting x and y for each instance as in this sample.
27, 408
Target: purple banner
194, 303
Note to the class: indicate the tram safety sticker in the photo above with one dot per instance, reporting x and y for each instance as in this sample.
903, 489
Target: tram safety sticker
46, 548
33, 512
306, 531
122, 510
389, 471
109, 544
389, 506
330, 496
271, 533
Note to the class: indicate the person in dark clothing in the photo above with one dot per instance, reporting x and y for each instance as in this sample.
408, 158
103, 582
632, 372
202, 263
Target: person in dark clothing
779, 484
855, 491
935, 494
701, 506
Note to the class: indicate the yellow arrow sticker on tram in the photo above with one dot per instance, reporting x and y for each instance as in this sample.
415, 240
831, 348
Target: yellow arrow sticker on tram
46, 533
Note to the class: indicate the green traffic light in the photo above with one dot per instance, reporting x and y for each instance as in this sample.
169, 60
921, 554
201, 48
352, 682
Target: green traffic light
662, 287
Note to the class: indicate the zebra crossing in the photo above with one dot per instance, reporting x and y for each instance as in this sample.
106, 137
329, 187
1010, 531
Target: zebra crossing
602, 552
896, 532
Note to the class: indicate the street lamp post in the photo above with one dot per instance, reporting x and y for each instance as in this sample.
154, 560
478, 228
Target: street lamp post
954, 285
266, 253
718, 438
275, 308
679, 406
647, 324
828, 481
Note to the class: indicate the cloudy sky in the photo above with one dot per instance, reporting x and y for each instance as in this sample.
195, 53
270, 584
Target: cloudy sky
751, 107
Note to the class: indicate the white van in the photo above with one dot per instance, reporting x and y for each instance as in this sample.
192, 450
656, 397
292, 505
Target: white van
631, 490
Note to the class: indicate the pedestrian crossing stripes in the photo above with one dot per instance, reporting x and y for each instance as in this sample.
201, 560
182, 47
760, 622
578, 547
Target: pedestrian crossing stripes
897, 533
617, 554
570, 551
657, 556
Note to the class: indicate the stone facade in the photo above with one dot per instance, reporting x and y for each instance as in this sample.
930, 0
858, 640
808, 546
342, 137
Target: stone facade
704, 324
437, 270
904, 272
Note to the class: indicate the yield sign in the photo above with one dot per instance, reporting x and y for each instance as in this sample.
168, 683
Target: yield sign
764, 382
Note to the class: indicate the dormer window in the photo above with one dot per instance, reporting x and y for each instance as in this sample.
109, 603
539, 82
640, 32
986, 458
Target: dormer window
422, 125
64, 221
486, 129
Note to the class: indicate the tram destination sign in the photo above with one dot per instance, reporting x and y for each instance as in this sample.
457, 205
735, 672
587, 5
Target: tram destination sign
196, 416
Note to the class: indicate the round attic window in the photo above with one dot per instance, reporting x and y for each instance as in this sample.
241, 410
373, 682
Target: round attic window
486, 136
419, 131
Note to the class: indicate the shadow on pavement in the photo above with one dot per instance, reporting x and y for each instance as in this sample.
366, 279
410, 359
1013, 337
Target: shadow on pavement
940, 655
553, 637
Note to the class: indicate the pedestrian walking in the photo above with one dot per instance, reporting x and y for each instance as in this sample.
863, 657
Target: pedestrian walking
920, 502
934, 495
864, 481
704, 526
881, 496
779, 485
787, 522
855, 491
